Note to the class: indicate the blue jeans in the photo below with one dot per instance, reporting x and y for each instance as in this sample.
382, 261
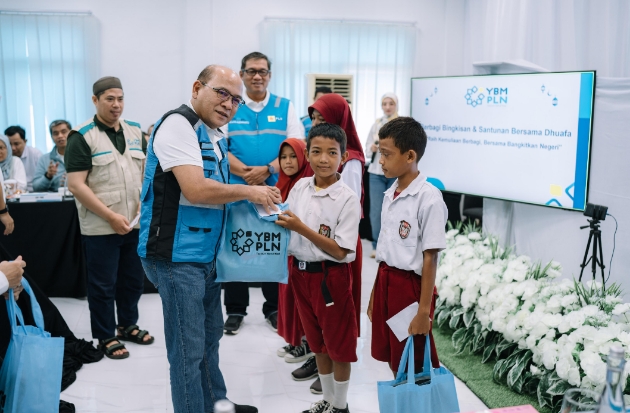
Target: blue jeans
378, 185
193, 325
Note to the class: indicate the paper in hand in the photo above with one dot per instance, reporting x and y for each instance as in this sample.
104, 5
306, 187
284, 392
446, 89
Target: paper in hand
400, 322
272, 216
135, 221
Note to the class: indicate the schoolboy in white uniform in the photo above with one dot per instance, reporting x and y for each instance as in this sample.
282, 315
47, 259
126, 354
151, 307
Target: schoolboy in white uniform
325, 215
412, 234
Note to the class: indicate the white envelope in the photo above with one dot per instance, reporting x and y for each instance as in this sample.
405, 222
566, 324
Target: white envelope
400, 322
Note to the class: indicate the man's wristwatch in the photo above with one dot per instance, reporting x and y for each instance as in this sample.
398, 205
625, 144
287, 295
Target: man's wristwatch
271, 169
5, 210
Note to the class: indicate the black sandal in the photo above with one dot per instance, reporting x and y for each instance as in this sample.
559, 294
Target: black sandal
124, 333
109, 351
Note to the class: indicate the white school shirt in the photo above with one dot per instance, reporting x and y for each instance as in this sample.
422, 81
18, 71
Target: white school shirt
413, 222
29, 158
352, 175
334, 211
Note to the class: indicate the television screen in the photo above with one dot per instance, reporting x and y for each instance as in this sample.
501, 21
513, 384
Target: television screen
518, 137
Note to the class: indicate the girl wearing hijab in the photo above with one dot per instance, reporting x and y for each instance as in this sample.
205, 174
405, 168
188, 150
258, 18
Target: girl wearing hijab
333, 108
378, 182
293, 167
12, 166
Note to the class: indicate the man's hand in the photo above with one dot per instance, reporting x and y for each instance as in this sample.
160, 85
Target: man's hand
289, 221
256, 175
16, 293
13, 270
119, 223
8, 223
421, 324
267, 196
52, 169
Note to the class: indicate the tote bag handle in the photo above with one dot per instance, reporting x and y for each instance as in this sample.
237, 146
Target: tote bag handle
14, 311
409, 360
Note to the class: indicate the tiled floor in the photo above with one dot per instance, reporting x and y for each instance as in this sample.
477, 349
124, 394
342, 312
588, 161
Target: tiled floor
253, 373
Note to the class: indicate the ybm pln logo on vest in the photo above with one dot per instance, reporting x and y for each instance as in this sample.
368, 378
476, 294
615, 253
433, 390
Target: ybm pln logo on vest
262, 243
404, 229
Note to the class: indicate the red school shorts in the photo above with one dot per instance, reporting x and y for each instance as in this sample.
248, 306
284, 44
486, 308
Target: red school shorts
289, 323
332, 329
394, 290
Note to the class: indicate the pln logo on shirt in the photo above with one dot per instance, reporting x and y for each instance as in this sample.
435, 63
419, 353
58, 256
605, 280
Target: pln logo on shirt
133, 142
272, 118
404, 229
324, 230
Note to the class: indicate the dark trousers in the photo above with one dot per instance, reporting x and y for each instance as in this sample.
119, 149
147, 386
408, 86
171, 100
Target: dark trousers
115, 275
237, 298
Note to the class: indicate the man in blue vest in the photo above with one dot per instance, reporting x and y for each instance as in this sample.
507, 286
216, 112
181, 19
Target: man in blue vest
183, 217
255, 135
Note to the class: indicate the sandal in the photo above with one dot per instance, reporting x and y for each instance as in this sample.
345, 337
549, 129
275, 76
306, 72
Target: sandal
109, 351
124, 333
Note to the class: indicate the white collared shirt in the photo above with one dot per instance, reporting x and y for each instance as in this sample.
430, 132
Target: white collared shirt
29, 158
334, 211
410, 224
295, 128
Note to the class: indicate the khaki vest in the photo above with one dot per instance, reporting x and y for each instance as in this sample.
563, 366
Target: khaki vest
115, 179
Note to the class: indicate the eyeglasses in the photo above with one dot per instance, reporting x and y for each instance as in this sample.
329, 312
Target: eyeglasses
225, 95
254, 72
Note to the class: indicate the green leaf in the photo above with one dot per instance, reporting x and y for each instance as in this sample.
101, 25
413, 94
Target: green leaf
454, 321
496, 371
531, 383
478, 342
458, 311
443, 317
505, 347
559, 388
544, 398
516, 376
458, 337
488, 352
469, 316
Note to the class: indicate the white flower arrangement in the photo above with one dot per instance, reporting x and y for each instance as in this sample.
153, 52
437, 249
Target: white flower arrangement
546, 335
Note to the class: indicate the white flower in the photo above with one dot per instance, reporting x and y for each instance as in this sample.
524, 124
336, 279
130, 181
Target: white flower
553, 304
535, 370
474, 236
461, 240
621, 309
552, 320
593, 366
451, 234
569, 300
562, 368
574, 376
575, 319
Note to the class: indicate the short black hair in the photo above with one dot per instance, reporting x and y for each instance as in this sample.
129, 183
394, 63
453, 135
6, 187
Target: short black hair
322, 89
407, 134
330, 131
255, 56
57, 123
12, 130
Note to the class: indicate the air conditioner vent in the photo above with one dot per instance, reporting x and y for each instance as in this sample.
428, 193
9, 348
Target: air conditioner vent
341, 84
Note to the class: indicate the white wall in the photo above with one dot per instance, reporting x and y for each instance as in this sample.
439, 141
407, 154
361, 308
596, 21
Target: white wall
158, 47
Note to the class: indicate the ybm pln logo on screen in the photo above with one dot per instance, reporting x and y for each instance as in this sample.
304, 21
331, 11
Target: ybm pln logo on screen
495, 96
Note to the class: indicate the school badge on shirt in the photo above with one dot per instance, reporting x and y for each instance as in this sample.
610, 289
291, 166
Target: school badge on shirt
404, 229
324, 230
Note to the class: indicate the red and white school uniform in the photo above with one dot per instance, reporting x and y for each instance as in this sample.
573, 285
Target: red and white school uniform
322, 284
411, 222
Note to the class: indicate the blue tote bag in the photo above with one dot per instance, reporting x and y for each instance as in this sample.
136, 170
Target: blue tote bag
432, 391
30, 378
253, 249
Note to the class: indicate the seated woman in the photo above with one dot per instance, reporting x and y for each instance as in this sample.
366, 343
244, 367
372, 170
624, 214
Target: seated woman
12, 166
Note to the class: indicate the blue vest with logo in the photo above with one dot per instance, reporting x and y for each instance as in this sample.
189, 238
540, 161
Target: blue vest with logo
308, 124
171, 228
255, 137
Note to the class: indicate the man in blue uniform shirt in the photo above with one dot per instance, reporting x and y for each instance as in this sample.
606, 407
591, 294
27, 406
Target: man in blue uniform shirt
255, 135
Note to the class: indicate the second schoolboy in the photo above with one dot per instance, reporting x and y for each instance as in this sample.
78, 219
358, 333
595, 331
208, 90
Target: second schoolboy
324, 217
412, 234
